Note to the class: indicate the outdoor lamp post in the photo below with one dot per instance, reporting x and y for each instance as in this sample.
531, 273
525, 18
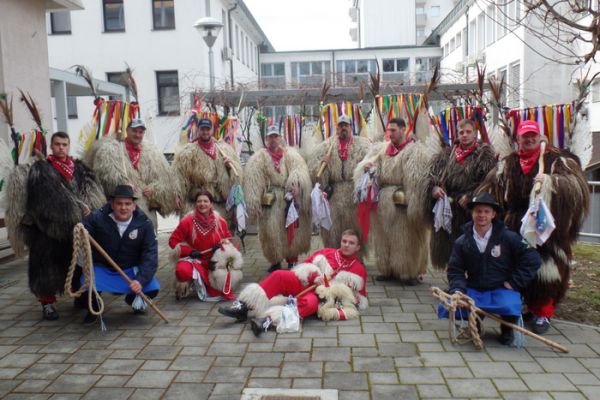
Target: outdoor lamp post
210, 27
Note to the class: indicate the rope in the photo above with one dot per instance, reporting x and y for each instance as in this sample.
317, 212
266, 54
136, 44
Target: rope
81, 247
460, 302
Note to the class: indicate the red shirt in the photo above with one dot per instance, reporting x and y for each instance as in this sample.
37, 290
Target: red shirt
189, 239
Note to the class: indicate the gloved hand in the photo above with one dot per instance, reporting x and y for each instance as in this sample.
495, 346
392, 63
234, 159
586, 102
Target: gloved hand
195, 254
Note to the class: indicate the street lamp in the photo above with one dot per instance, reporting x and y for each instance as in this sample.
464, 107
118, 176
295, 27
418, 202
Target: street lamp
210, 27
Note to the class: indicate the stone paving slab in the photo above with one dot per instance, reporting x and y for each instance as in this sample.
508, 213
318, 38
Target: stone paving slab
398, 349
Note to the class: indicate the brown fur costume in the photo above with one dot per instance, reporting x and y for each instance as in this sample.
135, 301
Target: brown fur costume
400, 233
457, 180
566, 193
110, 161
261, 177
194, 169
338, 174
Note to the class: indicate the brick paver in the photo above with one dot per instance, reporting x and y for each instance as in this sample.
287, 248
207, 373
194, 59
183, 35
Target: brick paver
396, 350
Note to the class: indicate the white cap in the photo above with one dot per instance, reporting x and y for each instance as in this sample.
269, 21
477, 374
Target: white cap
273, 130
344, 119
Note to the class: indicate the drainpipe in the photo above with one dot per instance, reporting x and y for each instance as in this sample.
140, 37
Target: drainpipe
230, 31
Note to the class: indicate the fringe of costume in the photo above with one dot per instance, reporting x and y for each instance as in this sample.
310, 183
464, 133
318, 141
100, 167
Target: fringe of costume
338, 174
194, 169
54, 205
400, 233
261, 177
567, 195
109, 159
16, 198
457, 180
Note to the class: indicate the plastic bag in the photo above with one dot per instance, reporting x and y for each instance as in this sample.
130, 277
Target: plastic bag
290, 319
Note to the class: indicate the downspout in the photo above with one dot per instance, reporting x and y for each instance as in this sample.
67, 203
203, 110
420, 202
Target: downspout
230, 31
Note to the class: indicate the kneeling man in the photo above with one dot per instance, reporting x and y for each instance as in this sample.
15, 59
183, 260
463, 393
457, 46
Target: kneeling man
127, 235
492, 264
328, 269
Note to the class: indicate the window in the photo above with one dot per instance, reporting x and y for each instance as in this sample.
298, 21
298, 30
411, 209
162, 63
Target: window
502, 78
353, 71
452, 44
447, 49
72, 107
167, 83
420, 10
120, 78
114, 18
395, 69
502, 20
465, 42
420, 32
595, 91
435, 11
491, 26
60, 22
237, 42
458, 40
272, 74
515, 84
163, 12
480, 32
424, 68
246, 51
310, 72
225, 29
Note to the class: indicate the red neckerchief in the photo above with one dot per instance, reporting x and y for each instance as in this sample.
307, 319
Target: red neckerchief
65, 168
393, 150
209, 148
462, 154
134, 153
528, 158
204, 223
344, 262
343, 147
276, 156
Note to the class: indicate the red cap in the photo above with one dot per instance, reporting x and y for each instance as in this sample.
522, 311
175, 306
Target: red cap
528, 126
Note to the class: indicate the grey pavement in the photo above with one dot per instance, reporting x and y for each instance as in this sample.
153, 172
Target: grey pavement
398, 349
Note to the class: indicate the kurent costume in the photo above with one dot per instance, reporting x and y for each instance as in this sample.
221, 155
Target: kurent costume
266, 299
131, 244
196, 240
459, 172
45, 201
117, 162
268, 179
566, 193
199, 165
400, 232
336, 181
480, 266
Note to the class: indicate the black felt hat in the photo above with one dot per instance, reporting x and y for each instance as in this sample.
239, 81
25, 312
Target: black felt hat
484, 198
123, 191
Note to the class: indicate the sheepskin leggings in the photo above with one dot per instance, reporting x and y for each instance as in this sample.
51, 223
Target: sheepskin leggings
286, 283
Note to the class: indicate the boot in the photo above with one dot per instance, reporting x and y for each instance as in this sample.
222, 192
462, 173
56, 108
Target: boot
506, 334
49, 311
238, 310
182, 290
275, 267
260, 325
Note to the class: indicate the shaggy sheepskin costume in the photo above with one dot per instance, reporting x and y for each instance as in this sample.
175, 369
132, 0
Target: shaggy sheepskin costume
338, 177
268, 297
566, 193
43, 207
261, 177
457, 179
194, 169
110, 160
400, 233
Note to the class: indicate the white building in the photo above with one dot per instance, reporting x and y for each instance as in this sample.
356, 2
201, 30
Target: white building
396, 22
167, 54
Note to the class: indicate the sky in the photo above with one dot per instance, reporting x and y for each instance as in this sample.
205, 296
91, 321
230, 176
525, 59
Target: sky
304, 24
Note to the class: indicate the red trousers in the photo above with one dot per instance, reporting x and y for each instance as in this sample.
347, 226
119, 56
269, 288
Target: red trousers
285, 282
547, 310
184, 272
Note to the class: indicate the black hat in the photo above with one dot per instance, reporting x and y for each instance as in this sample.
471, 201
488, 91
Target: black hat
123, 191
486, 199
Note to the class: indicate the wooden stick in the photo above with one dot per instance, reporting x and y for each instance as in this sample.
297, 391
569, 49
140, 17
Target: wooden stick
308, 289
538, 185
324, 163
120, 271
230, 164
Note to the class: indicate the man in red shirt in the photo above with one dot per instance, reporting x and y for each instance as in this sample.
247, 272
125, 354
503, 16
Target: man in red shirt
336, 265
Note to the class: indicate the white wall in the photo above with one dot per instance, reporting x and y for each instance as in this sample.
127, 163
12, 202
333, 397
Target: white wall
387, 23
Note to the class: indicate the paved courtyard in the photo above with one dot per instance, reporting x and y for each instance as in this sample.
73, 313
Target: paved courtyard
396, 350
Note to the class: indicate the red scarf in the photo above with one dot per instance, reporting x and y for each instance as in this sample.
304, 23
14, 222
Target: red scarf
393, 150
204, 223
134, 153
65, 168
276, 157
528, 158
343, 147
462, 154
209, 148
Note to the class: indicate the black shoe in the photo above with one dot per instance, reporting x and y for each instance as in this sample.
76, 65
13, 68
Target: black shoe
384, 278
238, 310
49, 312
506, 335
80, 303
528, 317
291, 265
410, 282
89, 318
274, 267
540, 325
260, 325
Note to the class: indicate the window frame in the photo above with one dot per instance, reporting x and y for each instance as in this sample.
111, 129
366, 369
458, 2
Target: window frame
53, 31
104, 3
159, 86
167, 28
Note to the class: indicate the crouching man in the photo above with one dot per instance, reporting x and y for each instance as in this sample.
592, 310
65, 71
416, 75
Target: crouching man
492, 264
340, 290
127, 235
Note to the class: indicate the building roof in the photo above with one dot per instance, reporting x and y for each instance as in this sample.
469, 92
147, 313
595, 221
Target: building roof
64, 5
246, 11
454, 14
357, 49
